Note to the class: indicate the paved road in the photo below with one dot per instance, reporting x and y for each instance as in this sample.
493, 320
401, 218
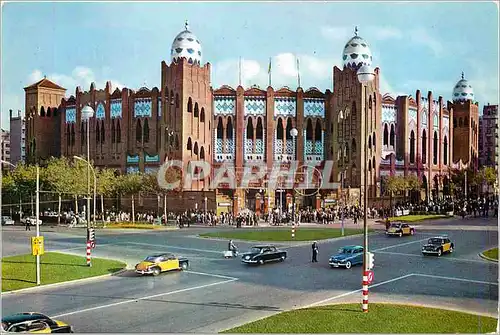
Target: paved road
216, 293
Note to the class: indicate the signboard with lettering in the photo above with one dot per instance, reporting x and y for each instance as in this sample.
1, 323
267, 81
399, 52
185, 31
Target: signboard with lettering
37, 246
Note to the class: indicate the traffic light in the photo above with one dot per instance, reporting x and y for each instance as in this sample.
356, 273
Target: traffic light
91, 234
370, 260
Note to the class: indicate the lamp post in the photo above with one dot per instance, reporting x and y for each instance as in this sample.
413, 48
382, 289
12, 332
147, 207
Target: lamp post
87, 113
294, 132
365, 76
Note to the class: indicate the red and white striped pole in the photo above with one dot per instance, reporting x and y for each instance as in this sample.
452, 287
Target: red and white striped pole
365, 292
88, 253
293, 230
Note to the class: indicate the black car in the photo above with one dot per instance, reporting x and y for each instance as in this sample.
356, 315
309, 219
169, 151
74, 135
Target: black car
261, 254
33, 323
437, 246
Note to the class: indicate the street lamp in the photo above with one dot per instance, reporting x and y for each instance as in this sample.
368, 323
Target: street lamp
365, 76
95, 179
294, 132
87, 113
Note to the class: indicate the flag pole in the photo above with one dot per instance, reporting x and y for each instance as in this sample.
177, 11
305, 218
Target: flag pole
269, 71
298, 72
239, 72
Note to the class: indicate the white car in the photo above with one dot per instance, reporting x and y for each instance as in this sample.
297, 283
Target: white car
31, 220
7, 220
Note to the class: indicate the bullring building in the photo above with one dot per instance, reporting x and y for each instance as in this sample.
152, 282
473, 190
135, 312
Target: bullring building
186, 119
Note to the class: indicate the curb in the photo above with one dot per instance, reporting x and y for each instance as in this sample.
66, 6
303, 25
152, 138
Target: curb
488, 258
69, 282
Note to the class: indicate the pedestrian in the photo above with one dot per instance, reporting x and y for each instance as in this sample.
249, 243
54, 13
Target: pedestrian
28, 224
315, 250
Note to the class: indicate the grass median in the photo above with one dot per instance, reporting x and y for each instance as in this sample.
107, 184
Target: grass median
416, 218
281, 235
19, 272
131, 225
381, 319
491, 253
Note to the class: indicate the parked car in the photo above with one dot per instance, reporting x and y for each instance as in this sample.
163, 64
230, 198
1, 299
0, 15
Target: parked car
400, 229
7, 220
347, 257
33, 323
31, 220
261, 254
158, 263
437, 246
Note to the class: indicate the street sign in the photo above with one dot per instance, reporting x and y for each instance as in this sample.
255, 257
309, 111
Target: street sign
37, 246
370, 277
92, 244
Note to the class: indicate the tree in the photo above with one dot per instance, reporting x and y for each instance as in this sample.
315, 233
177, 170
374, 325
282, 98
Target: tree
78, 181
106, 184
24, 177
412, 183
393, 184
58, 175
131, 184
489, 176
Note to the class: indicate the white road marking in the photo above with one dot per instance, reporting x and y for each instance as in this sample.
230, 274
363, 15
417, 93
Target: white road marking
440, 258
210, 274
457, 279
143, 298
400, 245
166, 246
359, 290
83, 247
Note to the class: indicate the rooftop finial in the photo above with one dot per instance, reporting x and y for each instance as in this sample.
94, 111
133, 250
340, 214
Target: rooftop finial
356, 30
44, 77
186, 24
462, 74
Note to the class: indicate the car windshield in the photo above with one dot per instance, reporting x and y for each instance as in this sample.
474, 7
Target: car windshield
345, 251
255, 250
151, 259
395, 225
434, 241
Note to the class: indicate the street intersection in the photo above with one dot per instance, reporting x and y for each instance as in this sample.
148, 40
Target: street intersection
217, 293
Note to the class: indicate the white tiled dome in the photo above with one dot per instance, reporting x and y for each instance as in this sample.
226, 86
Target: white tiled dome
356, 52
186, 45
463, 90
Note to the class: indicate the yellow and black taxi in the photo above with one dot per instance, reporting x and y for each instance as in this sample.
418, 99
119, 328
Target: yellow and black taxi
158, 263
437, 246
33, 323
400, 229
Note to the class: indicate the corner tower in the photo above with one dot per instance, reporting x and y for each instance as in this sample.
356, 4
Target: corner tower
352, 107
465, 123
186, 105
42, 101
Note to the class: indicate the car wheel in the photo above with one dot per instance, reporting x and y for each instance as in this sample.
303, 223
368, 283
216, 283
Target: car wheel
440, 253
184, 266
261, 262
282, 259
451, 250
156, 271
412, 232
348, 265
401, 234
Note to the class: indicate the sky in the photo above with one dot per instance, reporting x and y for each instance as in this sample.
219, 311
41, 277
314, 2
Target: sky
416, 45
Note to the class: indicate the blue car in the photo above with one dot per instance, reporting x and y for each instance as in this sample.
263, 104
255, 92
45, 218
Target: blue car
347, 257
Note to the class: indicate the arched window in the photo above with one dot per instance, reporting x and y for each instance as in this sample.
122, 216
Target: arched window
202, 153
309, 130
353, 147
386, 134
229, 128
138, 131
146, 131
369, 142
48, 112
317, 131
189, 145
113, 132
196, 110
412, 147
118, 132
250, 129
454, 122
369, 162
260, 129
392, 138
220, 128
466, 121
195, 151
103, 132
373, 163
190, 105
435, 149
42, 111
288, 129
97, 133
374, 141
279, 130
445, 150
202, 114
54, 111
424, 147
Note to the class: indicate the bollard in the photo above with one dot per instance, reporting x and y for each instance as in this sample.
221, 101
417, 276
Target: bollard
88, 254
365, 292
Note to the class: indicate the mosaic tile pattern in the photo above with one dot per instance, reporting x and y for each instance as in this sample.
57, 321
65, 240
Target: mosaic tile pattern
314, 107
132, 169
423, 117
248, 146
284, 106
71, 115
309, 148
255, 106
116, 108
218, 146
289, 147
224, 105
435, 121
100, 113
259, 147
412, 114
142, 107
150, 170
388, 113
